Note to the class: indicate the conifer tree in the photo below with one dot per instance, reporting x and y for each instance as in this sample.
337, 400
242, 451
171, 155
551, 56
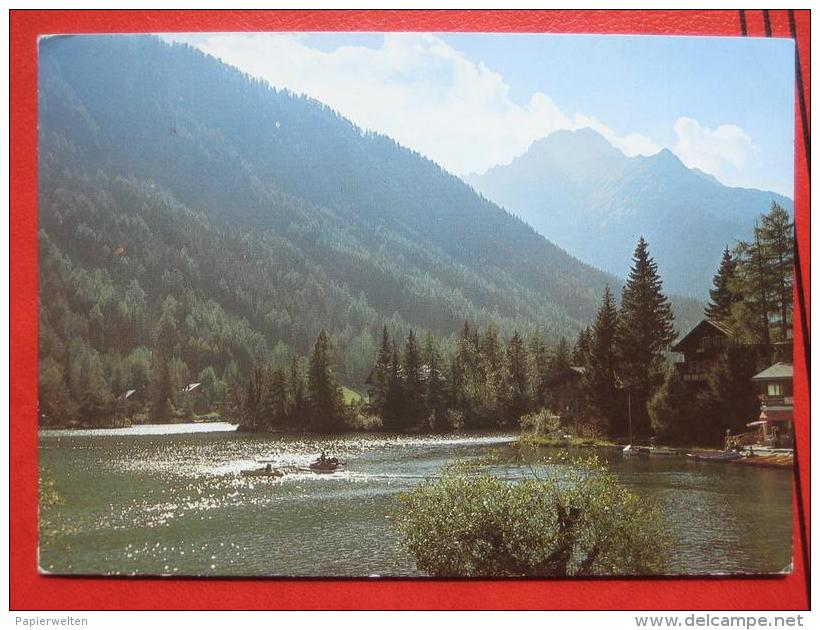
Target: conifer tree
267, 412
645, 331
561, 357
539, 367
517, 388
165, 342
414, 399
755, 280
580, 353
393, 413
162, 388
435, 392
298, 413
323, 390
777, 240
252, 401
464, 375
234, 399
601, 378
381, 374
723, 295
278, 392
672, 411
730, 398
492, 394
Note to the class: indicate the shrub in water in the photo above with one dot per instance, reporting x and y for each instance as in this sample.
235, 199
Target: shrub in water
574, 518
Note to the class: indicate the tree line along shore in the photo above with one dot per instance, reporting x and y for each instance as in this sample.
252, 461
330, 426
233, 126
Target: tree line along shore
483, 380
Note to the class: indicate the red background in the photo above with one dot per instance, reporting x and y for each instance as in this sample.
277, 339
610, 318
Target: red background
28, 590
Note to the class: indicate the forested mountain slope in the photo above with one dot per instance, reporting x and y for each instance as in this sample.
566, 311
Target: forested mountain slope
177, 192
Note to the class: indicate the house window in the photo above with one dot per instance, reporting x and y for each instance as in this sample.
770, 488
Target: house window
774, 389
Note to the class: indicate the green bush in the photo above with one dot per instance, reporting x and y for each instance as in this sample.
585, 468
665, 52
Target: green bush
358, 421
574, 519
541, 423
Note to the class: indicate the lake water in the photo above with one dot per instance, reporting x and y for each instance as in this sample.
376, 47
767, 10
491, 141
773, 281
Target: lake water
171, 500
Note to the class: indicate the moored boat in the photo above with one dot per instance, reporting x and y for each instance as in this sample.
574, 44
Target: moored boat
721, 457
767, 461
632, 450
663, 451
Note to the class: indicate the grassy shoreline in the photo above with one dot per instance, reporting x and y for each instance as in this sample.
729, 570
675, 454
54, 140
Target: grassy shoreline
575, 442
540, 440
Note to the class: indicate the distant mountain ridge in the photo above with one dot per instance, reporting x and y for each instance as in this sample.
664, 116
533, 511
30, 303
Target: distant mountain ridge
592, 200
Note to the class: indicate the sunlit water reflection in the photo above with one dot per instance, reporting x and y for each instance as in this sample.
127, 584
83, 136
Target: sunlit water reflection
171, 500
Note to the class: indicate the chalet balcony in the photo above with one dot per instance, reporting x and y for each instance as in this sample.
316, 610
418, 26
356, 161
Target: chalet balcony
776, 401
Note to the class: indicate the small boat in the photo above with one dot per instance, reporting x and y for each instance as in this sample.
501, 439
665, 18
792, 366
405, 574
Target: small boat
632, 450
721, 457
663, 451
767, 461
325, 466
267, 471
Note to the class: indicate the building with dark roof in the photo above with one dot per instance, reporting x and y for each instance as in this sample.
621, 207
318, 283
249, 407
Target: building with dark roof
776, 421
701, 348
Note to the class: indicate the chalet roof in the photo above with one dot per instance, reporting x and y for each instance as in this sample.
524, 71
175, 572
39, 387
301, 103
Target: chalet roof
778, 372
190, 387
700, 328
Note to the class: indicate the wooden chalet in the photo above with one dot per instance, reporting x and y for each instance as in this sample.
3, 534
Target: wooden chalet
701, 348
775, 424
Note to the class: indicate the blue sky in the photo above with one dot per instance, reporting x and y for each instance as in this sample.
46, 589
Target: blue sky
470, 101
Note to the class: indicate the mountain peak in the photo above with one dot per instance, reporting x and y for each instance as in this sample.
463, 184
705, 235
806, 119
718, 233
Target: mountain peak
666, 155
593, 201
573, 152
585, 141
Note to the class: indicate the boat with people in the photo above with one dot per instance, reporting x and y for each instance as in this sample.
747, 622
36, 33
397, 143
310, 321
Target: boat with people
267, 471
325, 464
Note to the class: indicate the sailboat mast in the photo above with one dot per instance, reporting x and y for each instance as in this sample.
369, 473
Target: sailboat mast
629, 411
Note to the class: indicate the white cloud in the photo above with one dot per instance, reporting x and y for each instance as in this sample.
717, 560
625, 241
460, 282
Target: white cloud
428, 96
416, 89
721, 151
